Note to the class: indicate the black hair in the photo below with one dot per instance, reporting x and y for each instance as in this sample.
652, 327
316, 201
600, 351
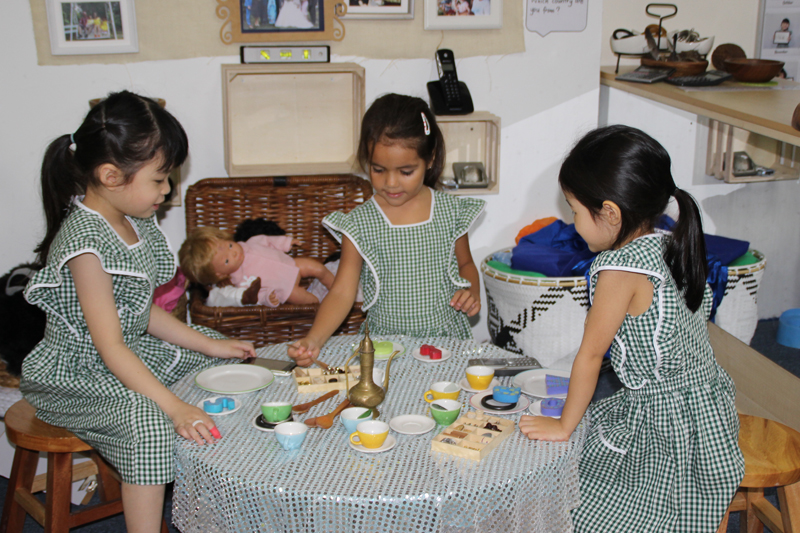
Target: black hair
626, 166
786, 21
125, 130
399, 118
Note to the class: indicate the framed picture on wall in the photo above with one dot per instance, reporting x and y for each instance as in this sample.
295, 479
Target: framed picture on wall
92, 27
463, 14
380, 9
281, 20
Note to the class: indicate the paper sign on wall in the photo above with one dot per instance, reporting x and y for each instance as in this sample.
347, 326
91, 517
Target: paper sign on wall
544, 16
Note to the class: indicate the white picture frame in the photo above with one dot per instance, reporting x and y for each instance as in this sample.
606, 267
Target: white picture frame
436, 20
404, 10
74, 29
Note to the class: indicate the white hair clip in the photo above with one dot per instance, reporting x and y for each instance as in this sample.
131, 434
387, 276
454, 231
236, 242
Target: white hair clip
425, 125
72, 145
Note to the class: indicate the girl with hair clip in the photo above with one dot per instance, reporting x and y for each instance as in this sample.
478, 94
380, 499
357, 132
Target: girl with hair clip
108, 353
408, 243
662, 453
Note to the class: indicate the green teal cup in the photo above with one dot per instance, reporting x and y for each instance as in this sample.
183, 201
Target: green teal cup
276, 411
449, 412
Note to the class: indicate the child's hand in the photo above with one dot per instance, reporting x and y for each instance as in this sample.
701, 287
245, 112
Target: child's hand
231, 349
297, 243
542, 428
465, 301
192, 423
304, 351
273, 298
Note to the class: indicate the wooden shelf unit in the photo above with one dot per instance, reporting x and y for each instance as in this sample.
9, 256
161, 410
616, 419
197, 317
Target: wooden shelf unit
472, 138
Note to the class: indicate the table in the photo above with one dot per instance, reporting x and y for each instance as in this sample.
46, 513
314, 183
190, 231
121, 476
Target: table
247, 482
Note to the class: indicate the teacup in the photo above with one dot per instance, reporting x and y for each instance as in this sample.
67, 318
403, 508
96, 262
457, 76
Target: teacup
350, 417
370, 434
442, 390
480, 377
290, 435
276, 411
445, 412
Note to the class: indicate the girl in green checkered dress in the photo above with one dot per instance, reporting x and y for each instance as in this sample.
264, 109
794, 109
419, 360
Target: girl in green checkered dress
108, 353
408, 244
662, 453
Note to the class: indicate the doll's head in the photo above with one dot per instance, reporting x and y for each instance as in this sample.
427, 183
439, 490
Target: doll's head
210, 255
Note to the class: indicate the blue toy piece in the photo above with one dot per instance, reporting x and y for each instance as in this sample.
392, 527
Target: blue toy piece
556, 384
552, 406
506, 394
217, 405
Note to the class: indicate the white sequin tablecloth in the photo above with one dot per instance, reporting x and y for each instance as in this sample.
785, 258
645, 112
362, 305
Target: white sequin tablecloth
247, 482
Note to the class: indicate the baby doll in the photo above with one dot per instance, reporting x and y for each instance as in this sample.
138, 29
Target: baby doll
210, 256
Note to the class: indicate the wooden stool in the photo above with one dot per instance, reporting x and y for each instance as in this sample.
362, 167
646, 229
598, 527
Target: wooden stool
771, 459
31, 436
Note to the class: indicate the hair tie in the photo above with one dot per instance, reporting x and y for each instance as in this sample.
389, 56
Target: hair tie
72, 145
425, 124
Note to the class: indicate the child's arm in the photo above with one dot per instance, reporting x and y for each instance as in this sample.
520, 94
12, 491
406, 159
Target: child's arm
467, 300
334, 308
612, 298
96, 297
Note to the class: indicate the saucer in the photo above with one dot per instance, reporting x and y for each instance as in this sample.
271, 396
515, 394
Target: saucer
262, 425
466, 386
536, 409
412, 424
388, 444
425, 359
237, 405
475, 402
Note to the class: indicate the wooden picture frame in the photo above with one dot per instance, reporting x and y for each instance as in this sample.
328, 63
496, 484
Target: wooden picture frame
267, 21
442, 14
399, 9
82, 28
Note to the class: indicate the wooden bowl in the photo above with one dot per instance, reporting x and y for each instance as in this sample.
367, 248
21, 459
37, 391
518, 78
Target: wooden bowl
682, 68
753, 70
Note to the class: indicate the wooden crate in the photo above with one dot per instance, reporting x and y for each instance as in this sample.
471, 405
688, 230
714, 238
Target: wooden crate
473, 138
313, 380
469, 438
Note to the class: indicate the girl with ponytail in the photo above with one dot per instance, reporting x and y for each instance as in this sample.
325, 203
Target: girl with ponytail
662, 453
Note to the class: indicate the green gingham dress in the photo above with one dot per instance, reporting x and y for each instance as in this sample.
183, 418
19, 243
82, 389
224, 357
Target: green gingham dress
662, 453
64, 377
410, 272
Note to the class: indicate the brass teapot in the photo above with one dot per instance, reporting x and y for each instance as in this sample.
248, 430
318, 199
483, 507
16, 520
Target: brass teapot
366, 393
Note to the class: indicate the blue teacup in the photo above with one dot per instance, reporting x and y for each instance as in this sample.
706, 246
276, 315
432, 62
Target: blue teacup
350, 417
291, 435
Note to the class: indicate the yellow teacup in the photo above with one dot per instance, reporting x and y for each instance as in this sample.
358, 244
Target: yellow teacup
480, 377
442, 390
370, 434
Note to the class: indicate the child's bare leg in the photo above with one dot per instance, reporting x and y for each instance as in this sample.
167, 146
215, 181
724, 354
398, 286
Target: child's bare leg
311, 268
300, 296
143, 507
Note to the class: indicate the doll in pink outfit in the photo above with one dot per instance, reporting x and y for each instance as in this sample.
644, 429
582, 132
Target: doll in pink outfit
210, 256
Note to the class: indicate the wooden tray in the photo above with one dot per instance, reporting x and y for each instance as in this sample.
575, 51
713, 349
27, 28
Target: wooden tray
468, 437
312, 379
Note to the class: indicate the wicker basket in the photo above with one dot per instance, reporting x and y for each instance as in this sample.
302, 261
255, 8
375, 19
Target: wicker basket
297, 204
738, 312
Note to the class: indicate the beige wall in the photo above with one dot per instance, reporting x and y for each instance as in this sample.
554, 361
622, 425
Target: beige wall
729, 21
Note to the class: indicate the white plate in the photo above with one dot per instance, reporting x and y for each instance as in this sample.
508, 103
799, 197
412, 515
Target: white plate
412, 424
270, 430
536, 409
464, 384
396, 346
475, 402
237, 405
234, 379
388, 444
532, 382
425, 359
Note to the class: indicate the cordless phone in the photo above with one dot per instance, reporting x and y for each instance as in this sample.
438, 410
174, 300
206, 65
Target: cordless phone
507, 367
448, 95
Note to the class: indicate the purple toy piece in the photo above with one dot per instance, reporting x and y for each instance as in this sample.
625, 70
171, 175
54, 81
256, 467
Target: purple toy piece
556, 384
552, 406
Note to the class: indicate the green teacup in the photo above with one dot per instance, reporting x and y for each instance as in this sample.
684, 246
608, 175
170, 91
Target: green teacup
276, 411
450, 409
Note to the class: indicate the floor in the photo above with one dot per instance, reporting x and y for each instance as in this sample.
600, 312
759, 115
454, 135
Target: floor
763, 341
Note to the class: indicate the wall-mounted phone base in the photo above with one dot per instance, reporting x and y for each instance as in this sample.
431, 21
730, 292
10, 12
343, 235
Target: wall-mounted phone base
438, 104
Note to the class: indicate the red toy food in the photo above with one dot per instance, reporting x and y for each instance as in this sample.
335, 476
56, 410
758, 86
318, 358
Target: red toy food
436, 353
425, 349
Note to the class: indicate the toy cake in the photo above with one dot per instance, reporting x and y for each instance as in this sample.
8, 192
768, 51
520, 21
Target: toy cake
383, 348
552, 406
556, 384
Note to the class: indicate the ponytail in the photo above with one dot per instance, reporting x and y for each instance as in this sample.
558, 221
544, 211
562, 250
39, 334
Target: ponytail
686, 251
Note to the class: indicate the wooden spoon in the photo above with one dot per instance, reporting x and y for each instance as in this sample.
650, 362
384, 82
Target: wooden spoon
326, 421
304, 407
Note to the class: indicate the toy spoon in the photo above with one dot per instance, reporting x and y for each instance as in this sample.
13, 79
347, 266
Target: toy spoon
304, 407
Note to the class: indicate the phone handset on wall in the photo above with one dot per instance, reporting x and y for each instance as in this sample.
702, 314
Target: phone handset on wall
448, 95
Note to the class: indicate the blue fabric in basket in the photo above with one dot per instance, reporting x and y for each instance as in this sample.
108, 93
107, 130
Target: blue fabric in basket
556, 251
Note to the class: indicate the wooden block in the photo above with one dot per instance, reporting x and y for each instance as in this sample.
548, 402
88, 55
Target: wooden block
468, 437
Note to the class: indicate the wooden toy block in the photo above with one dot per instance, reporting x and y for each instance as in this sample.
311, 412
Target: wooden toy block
310, 380
473, 436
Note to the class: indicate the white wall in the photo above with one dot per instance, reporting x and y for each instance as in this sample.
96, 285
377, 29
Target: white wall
545, 97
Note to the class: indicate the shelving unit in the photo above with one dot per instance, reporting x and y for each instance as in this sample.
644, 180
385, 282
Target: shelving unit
473, 138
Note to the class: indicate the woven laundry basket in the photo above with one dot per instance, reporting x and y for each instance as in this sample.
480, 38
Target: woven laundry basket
535, 317
738, 312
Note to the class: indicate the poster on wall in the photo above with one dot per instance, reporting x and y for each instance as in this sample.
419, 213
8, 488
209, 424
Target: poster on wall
779, 35
545, 16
